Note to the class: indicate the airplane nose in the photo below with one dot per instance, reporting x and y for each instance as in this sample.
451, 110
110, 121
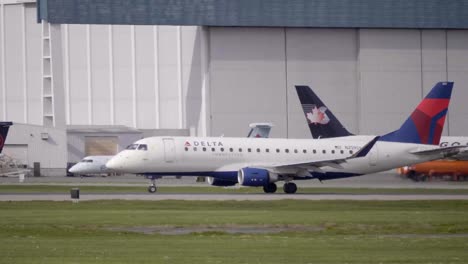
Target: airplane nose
72, 169
114, 164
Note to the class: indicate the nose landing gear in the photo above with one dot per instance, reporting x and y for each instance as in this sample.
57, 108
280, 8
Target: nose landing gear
152, 188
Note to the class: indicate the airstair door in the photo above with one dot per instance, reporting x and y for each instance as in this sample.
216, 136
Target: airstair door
169, 150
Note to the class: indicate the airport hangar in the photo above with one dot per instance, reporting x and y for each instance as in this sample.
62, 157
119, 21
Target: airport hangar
91, 76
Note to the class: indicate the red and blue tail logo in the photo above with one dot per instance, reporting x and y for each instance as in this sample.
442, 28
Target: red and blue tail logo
426, 123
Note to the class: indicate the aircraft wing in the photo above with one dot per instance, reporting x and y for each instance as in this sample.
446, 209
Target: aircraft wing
315, 164
445, 152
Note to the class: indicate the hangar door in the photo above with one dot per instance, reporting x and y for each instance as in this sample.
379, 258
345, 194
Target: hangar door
18, 152
101, 146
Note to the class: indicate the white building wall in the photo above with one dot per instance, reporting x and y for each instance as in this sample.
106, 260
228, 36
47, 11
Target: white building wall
371, 78
20, 65
138, 76
217, 80
326, 60
247, 80
457, 58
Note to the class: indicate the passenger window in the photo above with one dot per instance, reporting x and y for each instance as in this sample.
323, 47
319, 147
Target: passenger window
258, 150
350, 152
304, 151
324, 151
342, 152
333, 151
222, 149
295, 151
277, 150
231, 149
315, 151
204, 149
267, 150
186, 149
240, 149
143, 147
249, 150
213, 149
286, 150
194, 148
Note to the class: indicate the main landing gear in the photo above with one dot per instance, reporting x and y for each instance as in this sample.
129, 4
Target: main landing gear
152, 188
270, 188
288, 187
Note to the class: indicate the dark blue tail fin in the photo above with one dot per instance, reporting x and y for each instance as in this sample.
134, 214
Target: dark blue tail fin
4, 126
322, 123
425, 124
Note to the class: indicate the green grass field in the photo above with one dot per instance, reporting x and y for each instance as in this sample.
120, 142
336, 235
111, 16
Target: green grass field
313, 232
35, 188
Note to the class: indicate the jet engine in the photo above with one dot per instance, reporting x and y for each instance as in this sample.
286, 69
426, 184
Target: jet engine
255, 177
219, 182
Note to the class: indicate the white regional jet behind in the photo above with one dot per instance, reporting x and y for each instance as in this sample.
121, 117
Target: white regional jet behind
92, 165
264, 161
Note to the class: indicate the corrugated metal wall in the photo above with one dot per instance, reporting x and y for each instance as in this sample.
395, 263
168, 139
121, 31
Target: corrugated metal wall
218, 80
371, 78
20, 64
138, 76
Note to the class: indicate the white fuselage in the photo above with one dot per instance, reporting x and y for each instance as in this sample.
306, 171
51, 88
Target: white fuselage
214, 156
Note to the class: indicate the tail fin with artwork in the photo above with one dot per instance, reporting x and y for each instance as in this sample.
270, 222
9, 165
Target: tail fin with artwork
425, 124
4, 126
322, 123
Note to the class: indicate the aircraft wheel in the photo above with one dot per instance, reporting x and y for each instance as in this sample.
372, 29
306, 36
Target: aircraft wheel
270, 188
290, 187
152, 188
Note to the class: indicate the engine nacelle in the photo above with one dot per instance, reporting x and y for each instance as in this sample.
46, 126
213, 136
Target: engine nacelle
220, 182
254, 177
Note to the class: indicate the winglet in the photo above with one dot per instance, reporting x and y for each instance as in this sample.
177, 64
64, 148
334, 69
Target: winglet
260, 130
366, 149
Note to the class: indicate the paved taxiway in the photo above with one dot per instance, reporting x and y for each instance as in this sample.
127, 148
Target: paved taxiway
231, 197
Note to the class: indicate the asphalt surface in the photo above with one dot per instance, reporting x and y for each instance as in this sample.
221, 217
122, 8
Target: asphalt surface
378, 180
230, 197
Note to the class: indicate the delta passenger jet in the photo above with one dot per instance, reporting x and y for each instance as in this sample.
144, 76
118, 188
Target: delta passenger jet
262, 162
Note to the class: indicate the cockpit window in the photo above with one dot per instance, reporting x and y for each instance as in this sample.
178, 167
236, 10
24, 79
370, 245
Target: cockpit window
132, 146
87, 160
143, 147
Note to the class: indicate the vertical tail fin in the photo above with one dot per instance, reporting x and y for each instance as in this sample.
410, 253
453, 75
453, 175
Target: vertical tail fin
4, 126
425, 124
322, 122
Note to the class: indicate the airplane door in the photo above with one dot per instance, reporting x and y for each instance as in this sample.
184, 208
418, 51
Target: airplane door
373, 156
169, 150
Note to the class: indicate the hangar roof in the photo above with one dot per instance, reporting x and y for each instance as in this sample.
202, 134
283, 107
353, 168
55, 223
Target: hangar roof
267, 13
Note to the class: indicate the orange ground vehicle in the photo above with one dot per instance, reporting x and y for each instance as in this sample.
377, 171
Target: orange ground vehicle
455, 170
